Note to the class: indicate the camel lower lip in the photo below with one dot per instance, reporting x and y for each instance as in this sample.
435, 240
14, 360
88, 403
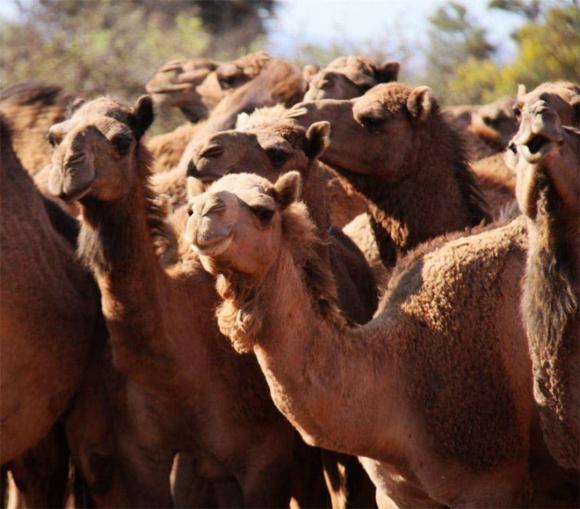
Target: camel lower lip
213, 248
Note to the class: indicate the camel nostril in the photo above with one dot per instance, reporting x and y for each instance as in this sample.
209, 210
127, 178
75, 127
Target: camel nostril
536, 143
512, 147
190, 211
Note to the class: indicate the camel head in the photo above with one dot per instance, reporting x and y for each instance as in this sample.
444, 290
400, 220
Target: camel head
543, 152
190, 85
236, 73
499, 117
376, 134
237, 224
97, 150
267, 150
561, 96
348, 77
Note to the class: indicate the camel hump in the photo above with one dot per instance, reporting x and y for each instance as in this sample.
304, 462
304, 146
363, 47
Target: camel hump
31, 92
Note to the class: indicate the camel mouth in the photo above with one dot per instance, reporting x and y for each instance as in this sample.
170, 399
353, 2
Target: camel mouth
213, 247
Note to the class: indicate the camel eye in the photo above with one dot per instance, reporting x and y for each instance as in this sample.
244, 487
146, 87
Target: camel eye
264, 214
53, 139
277, 156
227, 82
122, 143
371, 123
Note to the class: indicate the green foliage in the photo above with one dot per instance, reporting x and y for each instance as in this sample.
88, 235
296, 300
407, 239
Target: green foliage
114, 46
547, 50
530, 9
454, 38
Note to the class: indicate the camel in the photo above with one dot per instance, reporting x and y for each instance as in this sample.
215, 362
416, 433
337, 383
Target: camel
275, 81
546, 160
394, 147
271, 148
30, 108
190, 85
562, 96
434, 394
287, 88
204, 399
45, 298
348, 77
49, 320
487, 128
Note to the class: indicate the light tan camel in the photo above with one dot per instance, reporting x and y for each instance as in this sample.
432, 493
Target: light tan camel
204, 399
30, 108
348, 77
393, 146
546, 158
434, 395
190, 85
270, 149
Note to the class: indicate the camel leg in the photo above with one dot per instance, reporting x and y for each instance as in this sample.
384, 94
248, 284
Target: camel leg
41, 474
3, 486
146, 472
188, 489
267, 484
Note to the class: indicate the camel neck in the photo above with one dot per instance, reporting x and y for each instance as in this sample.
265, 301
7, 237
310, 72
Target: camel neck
438, 196
313, 360
116, 244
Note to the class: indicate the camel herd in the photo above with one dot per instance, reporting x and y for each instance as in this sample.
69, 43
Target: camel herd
324, 289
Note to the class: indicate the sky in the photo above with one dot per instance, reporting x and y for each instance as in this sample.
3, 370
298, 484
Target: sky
325, 21
322, 21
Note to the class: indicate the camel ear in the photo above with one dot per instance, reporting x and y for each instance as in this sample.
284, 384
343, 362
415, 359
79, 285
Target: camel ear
142, 116
389, 71
317, 139
287, 189
521, 90
421, 103
308, 71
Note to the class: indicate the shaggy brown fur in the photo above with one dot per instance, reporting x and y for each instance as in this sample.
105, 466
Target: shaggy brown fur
404, 391
547, 164
30, 108
393, 146
200, 397
167, 148
349, 76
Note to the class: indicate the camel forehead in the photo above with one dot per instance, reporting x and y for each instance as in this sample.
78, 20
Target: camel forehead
391, 96
282, 134
352, 63
248, 187
103, 107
